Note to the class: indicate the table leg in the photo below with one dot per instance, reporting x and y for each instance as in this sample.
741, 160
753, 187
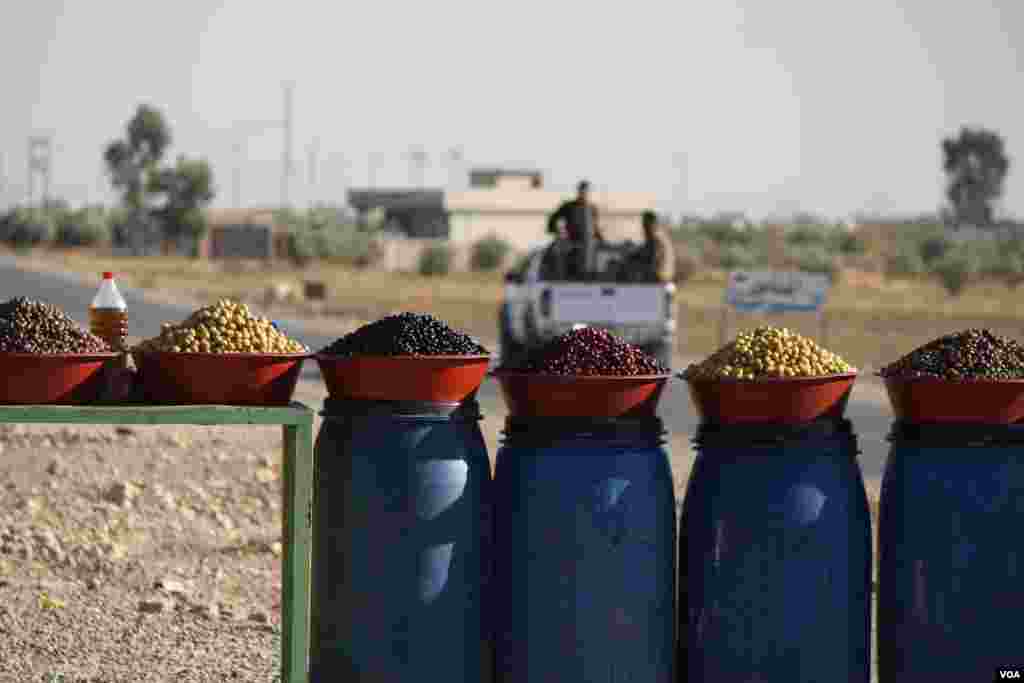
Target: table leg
298, 490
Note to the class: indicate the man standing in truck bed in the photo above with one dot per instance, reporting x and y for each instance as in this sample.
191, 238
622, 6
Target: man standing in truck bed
655, 261
581, 229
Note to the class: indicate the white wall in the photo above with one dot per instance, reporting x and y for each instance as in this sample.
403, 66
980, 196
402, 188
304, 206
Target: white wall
521, 230
403, 253
527, 230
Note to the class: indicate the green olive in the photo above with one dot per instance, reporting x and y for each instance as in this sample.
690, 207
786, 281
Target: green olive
769, 352
225, 327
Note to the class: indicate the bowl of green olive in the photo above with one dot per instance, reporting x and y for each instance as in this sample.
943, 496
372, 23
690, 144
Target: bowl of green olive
770, 375
222, 355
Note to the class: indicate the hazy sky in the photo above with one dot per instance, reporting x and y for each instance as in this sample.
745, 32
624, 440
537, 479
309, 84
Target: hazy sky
774, 106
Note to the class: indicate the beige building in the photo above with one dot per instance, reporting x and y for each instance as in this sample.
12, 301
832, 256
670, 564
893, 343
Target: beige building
511, 204
243, 234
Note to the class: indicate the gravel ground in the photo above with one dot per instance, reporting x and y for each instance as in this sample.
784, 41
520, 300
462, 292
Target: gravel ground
140, 554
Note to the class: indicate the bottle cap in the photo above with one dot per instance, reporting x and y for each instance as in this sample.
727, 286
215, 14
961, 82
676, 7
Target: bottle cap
108, 275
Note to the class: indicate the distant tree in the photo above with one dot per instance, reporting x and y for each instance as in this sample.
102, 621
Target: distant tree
976, 165
187, 188
132, 159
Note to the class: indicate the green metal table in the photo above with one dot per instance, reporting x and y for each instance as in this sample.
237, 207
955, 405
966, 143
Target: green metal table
297, 477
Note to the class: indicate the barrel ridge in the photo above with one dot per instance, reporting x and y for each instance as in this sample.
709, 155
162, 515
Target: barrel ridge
752, 436
546, 431
956, 434
335, 408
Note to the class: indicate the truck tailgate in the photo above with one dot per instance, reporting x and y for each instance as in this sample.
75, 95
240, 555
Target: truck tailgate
621, 304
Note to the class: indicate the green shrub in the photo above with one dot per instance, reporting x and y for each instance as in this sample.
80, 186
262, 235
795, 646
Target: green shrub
848, 243
918, 231
489, 253
690, 236
1000, 259
322, 233
806, 235
114, 217
736, 257
436, 260
376, 219
345, 245
23, 228
302, 245
955, 270
987, 256
521, 264
725, 234
1009, 266
906, 262
82, 228
815, 259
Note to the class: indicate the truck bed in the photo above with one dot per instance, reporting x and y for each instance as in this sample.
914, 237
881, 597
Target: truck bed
625, 304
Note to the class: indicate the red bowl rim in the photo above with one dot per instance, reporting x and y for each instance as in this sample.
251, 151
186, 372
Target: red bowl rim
342, 359
213, 354
101, 355
576, 378
950, 382
772, 380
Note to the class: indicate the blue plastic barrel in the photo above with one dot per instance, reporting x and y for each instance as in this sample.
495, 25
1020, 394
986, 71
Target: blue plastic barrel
951, 553
401, 544
775, 557
584, 552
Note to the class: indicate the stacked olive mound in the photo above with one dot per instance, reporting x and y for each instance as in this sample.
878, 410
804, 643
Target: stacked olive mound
225, 327
974, 354
590, 351
405, 334
769, 352
28, 326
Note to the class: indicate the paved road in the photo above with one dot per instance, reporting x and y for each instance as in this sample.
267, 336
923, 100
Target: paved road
871, 418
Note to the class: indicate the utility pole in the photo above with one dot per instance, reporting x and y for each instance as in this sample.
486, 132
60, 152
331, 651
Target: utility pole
236, 176
454, 159
101, 184
344, 165
417, 157
286, 155
40, 154
680, 162
3, 179
241, 132
313, 152
372, 166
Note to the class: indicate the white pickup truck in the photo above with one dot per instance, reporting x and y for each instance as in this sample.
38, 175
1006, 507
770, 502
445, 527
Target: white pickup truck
536, 310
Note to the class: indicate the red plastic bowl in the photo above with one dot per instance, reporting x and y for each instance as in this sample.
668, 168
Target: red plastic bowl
926, 399
243, 379
530, 394
782, 400
403, 378
52, 379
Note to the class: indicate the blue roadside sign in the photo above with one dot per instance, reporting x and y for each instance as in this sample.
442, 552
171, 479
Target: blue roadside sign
776, 291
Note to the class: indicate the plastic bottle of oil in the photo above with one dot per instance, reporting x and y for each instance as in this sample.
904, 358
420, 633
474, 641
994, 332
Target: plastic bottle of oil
108, 314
